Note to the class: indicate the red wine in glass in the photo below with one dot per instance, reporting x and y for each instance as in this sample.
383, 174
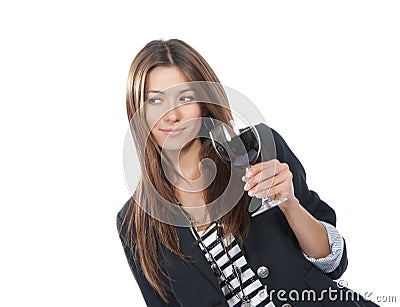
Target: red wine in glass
240, 148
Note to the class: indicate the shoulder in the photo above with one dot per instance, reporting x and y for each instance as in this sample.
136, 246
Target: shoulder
124, 214
272, 139
124, 210
265, 131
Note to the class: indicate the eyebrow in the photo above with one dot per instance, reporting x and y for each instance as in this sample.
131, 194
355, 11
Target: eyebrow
161, 92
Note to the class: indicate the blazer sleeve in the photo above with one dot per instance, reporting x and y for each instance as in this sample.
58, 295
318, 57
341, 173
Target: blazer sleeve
150, 295
307, 198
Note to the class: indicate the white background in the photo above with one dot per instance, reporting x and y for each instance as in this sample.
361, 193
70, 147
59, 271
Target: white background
325, 74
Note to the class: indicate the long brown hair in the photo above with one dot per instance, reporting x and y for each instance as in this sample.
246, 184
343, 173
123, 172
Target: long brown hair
145, 234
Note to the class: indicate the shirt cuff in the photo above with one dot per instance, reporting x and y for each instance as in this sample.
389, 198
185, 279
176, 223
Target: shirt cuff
336, 244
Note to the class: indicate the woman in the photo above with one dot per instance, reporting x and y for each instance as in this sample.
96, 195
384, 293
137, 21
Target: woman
286, 256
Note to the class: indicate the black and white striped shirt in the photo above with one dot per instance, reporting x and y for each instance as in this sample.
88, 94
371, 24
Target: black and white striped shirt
252, 286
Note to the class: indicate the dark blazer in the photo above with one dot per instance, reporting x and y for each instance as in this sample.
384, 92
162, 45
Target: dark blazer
270, 243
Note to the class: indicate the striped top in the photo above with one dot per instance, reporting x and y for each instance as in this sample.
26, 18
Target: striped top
251, 284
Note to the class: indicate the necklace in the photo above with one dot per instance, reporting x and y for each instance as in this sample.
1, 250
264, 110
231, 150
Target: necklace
236, 272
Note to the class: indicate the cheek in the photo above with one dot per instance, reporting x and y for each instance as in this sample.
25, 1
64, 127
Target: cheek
197, 114
194, 111
194, 116
151, 120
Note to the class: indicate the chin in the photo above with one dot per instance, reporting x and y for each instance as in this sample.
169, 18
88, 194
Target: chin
177, 145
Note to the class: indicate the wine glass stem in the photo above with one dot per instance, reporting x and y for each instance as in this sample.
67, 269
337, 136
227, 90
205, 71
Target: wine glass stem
267, 203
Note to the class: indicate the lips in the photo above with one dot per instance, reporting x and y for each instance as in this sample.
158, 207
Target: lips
172, 131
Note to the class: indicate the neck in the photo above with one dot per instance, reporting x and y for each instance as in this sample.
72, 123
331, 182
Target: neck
188, 188
187, 160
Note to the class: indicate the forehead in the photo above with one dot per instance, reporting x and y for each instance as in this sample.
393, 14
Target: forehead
161, 78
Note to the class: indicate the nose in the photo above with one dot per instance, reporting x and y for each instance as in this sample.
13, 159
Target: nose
172, 116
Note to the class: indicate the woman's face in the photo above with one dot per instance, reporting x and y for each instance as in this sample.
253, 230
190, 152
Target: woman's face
171, 111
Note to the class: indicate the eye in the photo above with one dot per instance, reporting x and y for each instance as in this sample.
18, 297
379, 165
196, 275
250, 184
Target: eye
186, 99
154, 100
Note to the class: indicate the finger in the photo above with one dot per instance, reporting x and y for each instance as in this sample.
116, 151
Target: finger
265, 171
256, 168
261, 171
266, 185
256, 179
279, 191
281, 168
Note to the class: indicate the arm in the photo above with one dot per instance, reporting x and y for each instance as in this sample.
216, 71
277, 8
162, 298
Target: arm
304, 209
331, 262
150, 295
311, 235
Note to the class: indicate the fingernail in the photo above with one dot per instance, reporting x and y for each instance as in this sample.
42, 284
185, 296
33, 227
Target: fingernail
245, 179
251, 193
246, 186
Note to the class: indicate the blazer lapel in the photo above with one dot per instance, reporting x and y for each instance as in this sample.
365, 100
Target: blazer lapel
190, 248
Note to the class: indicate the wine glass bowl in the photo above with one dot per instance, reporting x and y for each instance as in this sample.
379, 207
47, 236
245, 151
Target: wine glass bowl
239, 145
237, 149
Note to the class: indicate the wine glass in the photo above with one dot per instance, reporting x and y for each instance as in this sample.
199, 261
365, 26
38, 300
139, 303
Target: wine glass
239, 145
